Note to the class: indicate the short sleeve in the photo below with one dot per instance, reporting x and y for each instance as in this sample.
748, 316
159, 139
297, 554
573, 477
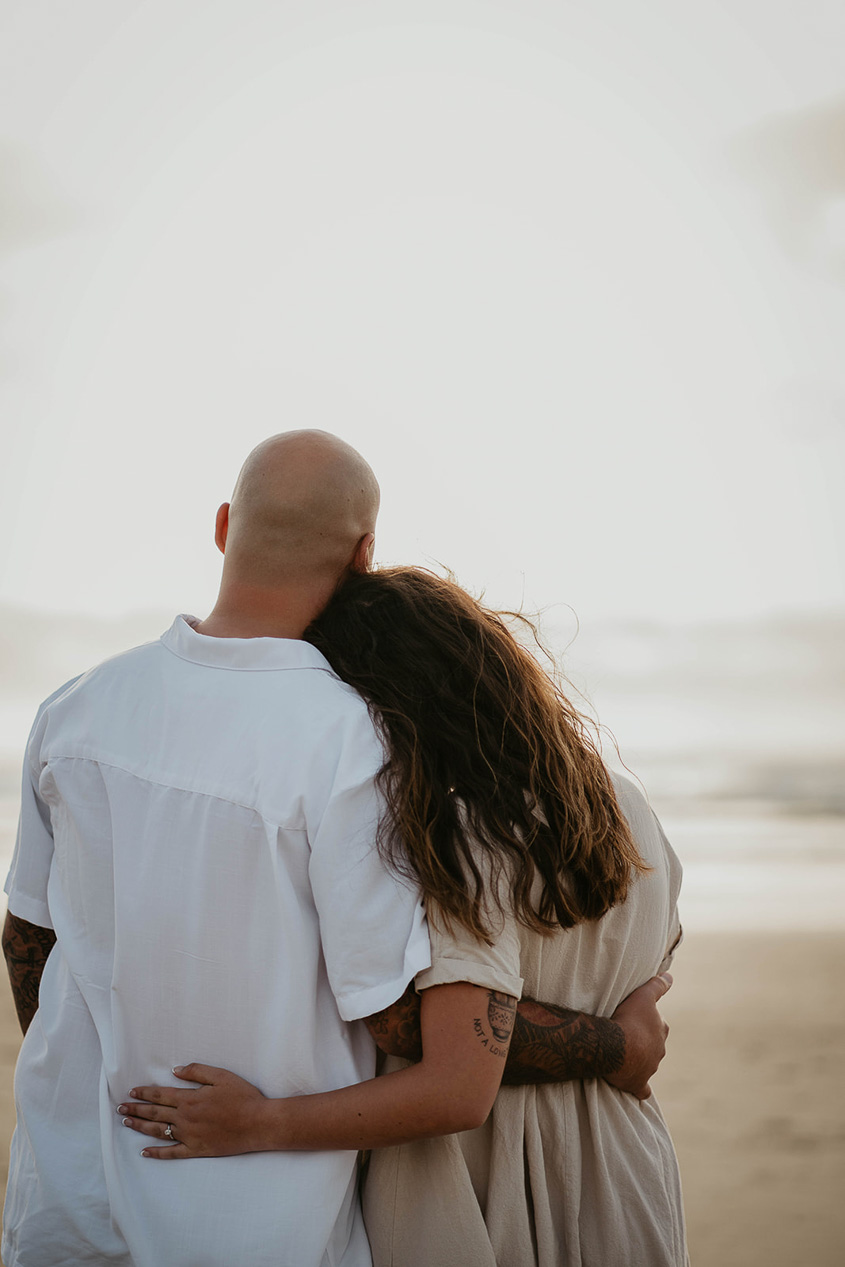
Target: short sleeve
26, 883
372, 922
457, 955
29, 874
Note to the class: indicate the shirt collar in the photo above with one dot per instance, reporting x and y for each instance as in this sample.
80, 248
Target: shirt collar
240, 653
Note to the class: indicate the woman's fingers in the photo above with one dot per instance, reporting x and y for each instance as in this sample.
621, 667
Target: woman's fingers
224, 1115
205, 1074
156, 1129
172, 1097
176, 1152
168, 1097
150, 1112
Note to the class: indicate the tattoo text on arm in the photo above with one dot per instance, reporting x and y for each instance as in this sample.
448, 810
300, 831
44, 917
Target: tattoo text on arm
26, 948
548, 1044
501, 1009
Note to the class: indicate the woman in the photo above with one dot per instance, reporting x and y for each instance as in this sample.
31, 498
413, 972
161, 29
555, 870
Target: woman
535, 864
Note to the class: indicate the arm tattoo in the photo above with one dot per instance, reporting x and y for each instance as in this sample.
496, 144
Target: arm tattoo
26, 947
555, 1044
396, 1029
500, 1014
549, 1043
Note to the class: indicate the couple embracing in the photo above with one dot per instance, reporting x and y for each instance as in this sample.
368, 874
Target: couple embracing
345, 817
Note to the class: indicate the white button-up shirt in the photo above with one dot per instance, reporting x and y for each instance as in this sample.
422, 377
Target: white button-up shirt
198, 827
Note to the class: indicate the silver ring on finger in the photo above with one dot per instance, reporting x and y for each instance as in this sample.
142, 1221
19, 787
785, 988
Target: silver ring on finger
168, 1132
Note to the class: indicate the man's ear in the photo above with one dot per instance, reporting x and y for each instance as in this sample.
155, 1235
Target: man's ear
362, 559
221, 528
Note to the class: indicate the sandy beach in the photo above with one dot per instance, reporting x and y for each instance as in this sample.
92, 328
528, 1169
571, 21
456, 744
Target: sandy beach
752, 1091
751, 1088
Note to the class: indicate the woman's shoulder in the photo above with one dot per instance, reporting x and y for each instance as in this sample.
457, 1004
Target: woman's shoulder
634, 804
631, 796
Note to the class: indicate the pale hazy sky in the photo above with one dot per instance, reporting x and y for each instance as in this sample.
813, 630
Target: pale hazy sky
535, 260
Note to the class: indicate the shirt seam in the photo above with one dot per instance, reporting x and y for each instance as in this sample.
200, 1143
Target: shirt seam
250, 668
177, 787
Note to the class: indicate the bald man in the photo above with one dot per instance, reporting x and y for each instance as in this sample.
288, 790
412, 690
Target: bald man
195, 877
196, 847
303, 513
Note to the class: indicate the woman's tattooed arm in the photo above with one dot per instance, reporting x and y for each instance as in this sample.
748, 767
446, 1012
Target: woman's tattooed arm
26, 947
500, 1013
549, 1044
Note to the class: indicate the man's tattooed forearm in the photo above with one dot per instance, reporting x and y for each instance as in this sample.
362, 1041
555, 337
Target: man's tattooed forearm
555, 1044
26, 948
396, 1029
501, 1009
547, 1043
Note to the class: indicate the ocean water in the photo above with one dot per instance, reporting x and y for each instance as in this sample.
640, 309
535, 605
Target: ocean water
736, 730
759, 870
751, 868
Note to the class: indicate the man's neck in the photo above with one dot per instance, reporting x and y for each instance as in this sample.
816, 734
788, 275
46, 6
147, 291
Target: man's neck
220, 625
243, 612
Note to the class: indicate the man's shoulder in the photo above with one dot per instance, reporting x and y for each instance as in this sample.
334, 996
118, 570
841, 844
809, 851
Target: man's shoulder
76, 693
325, 682
336, 706
123, 664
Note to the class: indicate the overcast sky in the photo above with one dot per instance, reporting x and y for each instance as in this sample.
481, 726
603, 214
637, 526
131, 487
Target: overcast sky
570, 275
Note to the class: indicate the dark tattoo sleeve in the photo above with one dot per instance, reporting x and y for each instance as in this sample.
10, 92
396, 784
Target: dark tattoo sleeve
555, 1044
549, 1043
396, 1029
26, 947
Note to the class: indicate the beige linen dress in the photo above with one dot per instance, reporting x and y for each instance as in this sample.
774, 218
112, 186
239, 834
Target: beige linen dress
573, 1174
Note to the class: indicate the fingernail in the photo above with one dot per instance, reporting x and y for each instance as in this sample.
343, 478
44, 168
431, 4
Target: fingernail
122, 1108
134, 1093
146, 1153
177, 1068
127, 1121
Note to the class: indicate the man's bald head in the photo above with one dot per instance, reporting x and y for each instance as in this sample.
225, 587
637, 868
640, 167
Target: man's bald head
302, 505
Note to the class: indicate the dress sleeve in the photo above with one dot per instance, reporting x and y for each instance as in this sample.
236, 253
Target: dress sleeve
456, 955
372, 923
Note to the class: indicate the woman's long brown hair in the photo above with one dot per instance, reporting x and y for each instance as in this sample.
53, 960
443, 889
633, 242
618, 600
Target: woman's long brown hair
478, 738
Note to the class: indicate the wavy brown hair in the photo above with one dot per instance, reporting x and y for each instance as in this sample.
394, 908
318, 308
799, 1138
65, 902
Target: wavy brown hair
478, 738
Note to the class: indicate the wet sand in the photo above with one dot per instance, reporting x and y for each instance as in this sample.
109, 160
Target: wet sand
752, 1090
